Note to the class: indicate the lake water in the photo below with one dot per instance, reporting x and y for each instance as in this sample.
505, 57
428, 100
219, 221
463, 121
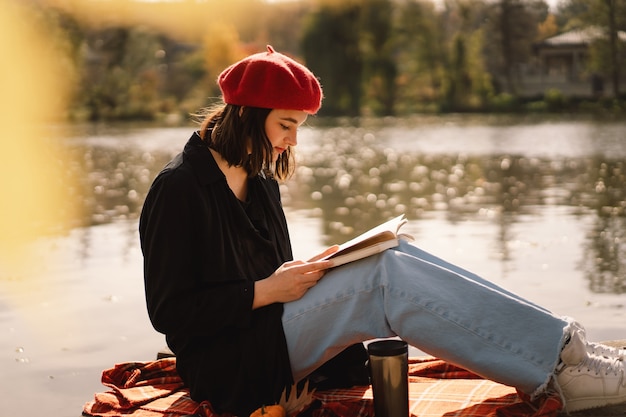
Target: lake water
536, 205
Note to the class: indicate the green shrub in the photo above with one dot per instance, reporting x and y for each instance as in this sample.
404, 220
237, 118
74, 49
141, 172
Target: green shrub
537, 106
555, 100
503, 102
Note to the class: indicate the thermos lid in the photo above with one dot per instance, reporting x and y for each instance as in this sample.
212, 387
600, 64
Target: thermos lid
387, 347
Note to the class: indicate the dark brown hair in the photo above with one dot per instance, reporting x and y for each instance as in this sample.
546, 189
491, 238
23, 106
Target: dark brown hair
238, 134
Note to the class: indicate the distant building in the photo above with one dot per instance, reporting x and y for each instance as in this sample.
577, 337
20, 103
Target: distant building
560, 62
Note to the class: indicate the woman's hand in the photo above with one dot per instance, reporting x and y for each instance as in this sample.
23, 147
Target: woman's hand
289, 282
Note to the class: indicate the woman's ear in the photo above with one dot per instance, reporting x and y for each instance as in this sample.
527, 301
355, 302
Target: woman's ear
241, 110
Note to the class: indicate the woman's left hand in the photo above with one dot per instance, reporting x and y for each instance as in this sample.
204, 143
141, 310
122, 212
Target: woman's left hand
289, 282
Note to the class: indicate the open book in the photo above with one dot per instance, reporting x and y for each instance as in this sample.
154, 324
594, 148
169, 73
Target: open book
373, 241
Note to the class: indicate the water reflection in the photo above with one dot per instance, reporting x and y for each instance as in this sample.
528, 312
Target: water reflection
114, 181
353, 179
605, 261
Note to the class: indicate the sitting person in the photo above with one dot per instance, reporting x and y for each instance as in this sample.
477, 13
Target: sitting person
246, 321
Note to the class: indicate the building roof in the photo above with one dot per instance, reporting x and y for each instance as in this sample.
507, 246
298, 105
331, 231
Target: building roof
578, 37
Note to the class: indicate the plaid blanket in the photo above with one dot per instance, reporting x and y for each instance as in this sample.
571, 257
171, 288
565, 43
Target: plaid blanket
436, 388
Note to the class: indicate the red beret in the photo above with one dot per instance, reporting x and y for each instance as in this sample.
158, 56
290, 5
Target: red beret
273, 81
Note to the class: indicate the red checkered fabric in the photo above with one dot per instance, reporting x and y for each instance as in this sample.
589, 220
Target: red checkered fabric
436, 388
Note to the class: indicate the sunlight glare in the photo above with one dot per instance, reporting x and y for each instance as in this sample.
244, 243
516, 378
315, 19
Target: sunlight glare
32, 84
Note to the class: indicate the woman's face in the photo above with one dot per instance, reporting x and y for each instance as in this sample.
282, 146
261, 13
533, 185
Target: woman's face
281, 127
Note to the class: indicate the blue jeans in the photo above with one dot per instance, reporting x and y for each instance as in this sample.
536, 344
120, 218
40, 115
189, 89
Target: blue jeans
437, 307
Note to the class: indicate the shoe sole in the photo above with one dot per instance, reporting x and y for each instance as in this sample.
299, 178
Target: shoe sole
581, 404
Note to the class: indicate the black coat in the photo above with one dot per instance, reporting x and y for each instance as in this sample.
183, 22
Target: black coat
203, 249
202, 254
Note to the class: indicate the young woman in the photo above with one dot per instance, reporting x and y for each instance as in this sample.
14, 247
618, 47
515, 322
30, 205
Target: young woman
245, 320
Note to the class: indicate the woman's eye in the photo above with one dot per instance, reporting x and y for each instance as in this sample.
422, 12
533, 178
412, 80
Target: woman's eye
285, 127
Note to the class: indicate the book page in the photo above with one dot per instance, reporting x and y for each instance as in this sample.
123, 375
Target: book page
387, 231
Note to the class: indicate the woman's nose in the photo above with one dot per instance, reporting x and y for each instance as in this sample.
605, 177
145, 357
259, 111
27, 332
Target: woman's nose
292, 140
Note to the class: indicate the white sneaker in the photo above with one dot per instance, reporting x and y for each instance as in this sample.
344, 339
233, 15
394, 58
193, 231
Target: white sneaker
599, 349
589, 380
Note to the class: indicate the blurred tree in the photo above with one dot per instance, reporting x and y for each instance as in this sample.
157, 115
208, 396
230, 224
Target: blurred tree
140, 75
64, 36
608, 51
221, 48
143, 60
611, 9
569, 14
513, 26
102, 55
283, 25
467, 85
605, 18
378, 46
547, 28
482, 80
121, 78
183, 70
421, 52
459, 84
330, 46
